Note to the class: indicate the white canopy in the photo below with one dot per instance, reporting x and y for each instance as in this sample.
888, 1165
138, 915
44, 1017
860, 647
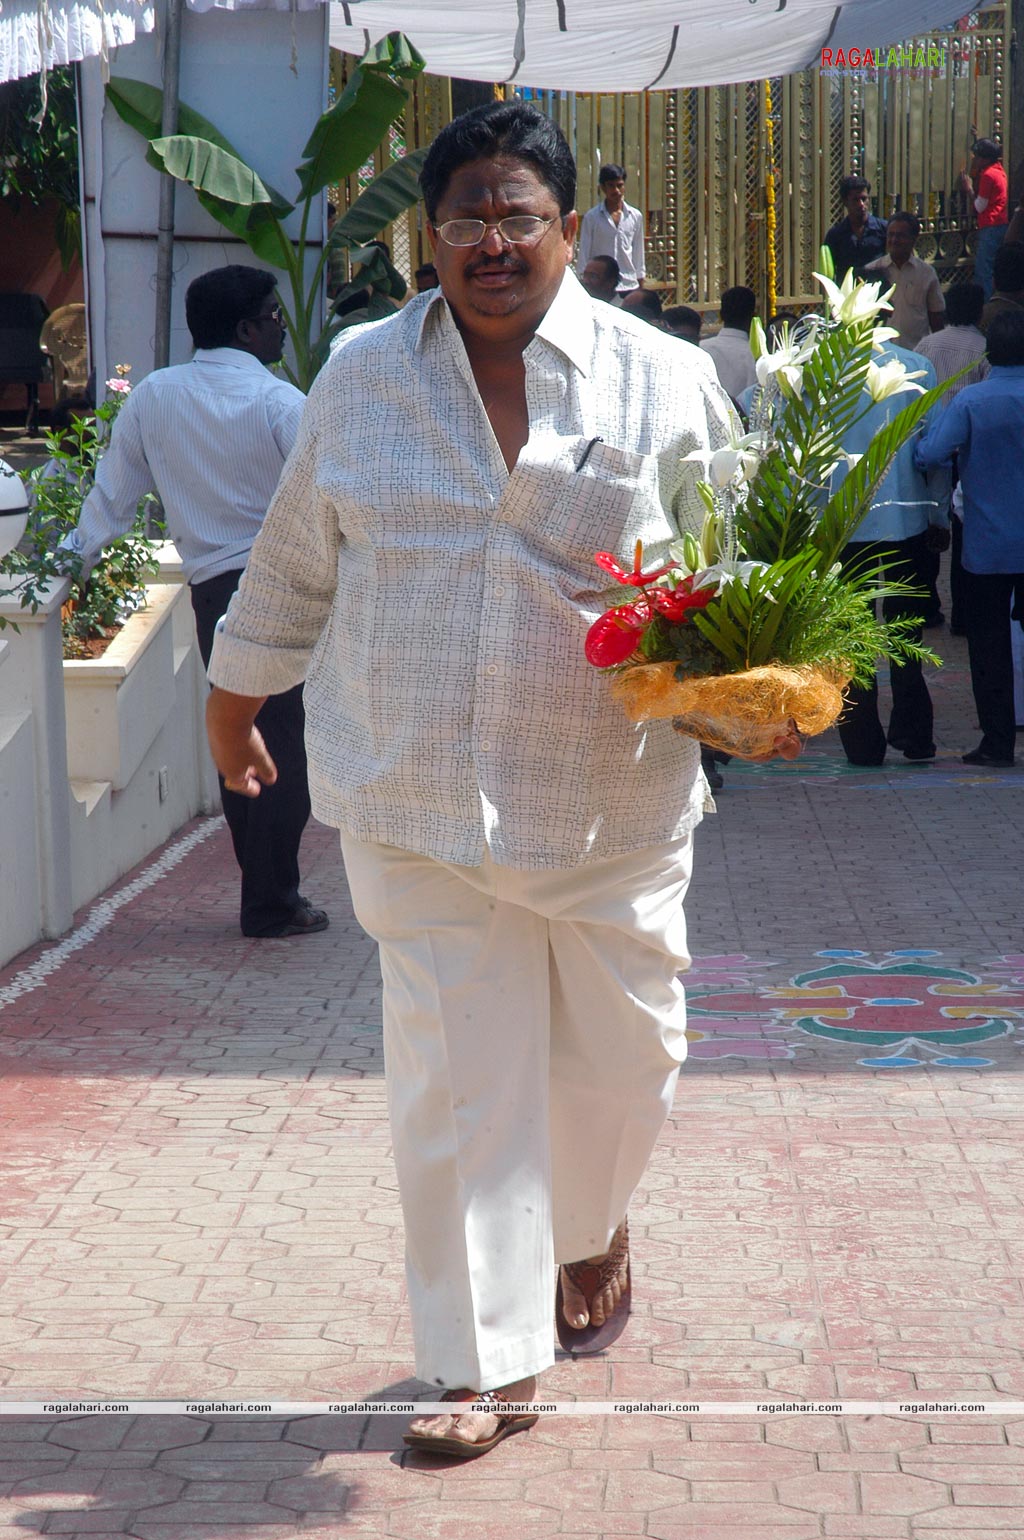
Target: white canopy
567, 45
614, 45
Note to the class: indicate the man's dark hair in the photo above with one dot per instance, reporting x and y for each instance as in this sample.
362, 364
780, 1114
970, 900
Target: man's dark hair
905, 217
611, 173
964, 304
1006, 339
513, 129
1008, 268
426, 270
737, 307
611, 268
215, 302
850, 184
682, 318
647, 300
987, 150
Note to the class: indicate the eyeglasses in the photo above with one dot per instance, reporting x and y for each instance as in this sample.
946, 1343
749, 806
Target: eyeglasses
275, 314
517, 230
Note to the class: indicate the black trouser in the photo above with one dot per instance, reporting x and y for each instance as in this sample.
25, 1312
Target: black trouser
957, 578
990, 649
910, 726
265, 830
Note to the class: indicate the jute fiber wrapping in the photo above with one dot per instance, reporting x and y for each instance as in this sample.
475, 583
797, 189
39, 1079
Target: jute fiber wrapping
737, 713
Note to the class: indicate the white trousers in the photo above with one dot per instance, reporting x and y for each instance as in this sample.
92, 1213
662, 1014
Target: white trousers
534, 1027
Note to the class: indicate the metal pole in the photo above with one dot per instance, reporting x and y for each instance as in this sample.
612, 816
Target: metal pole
165, 219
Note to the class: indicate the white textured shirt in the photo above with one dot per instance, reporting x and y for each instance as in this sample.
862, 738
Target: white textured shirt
729, 351
600, 236
951, 350
437, 605
211, 438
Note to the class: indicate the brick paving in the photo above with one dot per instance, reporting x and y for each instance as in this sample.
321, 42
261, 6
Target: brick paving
198, 1201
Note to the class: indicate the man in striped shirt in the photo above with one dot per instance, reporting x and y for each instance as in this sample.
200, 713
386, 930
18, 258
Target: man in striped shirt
211, 437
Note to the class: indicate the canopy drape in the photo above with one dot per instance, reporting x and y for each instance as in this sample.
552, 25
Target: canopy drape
561, 45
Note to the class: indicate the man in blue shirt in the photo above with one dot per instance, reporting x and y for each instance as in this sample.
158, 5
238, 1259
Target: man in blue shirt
908, 519
860, 237
984, 427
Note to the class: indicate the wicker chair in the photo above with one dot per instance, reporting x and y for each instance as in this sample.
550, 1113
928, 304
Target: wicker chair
63, 338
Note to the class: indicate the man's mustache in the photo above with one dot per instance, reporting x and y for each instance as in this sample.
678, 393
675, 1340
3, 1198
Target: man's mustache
502, 264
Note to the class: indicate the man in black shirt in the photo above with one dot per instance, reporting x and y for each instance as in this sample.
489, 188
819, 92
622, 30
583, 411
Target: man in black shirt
860, 237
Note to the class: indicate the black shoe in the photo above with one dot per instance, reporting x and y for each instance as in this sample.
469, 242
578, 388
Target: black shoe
990, 761
933, 621
305, 921
916, 753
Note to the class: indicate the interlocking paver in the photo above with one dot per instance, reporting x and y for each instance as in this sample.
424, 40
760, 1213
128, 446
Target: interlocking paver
199, 1201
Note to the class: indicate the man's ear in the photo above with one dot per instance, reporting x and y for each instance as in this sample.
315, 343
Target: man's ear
432, 237
570, 229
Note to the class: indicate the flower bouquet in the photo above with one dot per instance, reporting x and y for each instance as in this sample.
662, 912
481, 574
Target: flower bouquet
754, 625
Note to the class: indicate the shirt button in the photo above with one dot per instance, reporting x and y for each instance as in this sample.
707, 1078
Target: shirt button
485, 744
492, 668
499, 593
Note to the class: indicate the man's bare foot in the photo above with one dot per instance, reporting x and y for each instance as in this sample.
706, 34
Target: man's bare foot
576, 1308
471, 1427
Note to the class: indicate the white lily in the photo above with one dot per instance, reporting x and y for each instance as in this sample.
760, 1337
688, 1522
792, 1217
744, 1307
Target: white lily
786, 361
890, 379
853, 302
727, 571
736, 462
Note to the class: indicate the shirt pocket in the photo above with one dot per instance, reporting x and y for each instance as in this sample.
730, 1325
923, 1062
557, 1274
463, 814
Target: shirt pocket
591, 496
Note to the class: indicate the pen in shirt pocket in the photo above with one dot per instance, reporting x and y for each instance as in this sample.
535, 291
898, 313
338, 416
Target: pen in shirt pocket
585, 456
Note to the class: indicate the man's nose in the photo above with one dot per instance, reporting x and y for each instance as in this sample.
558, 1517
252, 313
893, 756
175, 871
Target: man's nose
494, 241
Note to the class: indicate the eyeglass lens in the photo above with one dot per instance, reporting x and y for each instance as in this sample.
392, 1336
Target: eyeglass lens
518, 230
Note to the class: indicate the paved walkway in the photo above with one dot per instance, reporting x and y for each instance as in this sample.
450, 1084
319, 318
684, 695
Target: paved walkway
199, 1202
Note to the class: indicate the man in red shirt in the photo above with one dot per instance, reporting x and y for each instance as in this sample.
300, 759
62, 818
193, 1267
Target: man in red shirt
987, 183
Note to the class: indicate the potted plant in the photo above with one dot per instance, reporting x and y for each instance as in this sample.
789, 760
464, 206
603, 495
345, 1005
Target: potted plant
100, 604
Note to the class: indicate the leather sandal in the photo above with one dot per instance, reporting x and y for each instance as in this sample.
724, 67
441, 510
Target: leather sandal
590, 1278
487, 1400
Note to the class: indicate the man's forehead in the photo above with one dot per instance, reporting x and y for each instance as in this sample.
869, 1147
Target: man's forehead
502, 179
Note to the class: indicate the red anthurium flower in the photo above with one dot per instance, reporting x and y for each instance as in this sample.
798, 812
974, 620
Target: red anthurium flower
615, 636
636, 578
676, 603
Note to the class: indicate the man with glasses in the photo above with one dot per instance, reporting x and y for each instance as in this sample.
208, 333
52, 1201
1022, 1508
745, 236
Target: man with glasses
517, 848
210, 437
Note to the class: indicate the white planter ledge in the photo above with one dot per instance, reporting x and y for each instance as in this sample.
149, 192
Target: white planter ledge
116, 705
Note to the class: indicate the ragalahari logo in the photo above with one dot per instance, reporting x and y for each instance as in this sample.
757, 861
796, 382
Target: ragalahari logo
896, 56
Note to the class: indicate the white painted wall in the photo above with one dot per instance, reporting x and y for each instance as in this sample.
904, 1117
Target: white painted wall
261, 78
100, 763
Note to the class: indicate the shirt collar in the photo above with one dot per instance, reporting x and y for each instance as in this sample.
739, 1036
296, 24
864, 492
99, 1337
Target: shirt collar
567, 325
232, 356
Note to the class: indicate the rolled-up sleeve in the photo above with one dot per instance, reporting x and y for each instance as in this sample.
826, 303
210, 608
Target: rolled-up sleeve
283, 601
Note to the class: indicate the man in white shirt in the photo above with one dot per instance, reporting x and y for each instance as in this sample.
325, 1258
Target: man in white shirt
614, 228
729, 348
917, 305
211, 437
517, 848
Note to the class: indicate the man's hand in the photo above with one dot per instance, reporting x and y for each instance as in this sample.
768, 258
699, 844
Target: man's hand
788, 744
236, 744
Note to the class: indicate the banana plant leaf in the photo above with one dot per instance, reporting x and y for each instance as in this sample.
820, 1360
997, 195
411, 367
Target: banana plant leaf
396, 55
346, 136
387, 196
141, 106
